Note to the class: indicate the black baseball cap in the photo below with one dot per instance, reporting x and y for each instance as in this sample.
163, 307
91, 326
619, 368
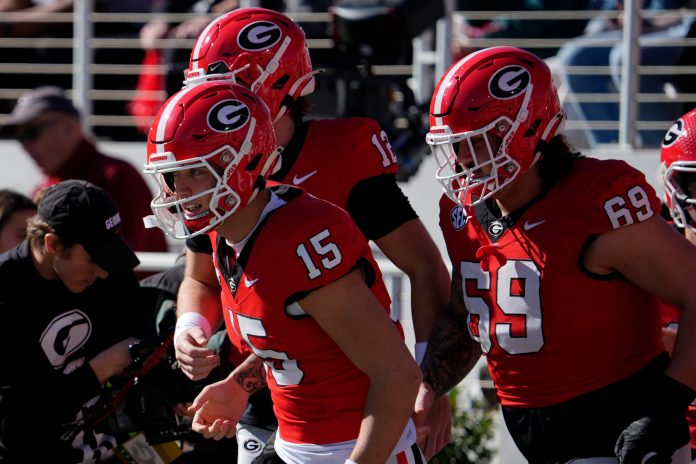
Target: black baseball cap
35, 102
83, 213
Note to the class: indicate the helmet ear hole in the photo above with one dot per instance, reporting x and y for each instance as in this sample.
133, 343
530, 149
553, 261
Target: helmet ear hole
254, 163
280, 83
533, 127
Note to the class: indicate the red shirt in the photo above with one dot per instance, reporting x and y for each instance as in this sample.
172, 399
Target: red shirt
550, 329
339, 153
126, 187
318, 394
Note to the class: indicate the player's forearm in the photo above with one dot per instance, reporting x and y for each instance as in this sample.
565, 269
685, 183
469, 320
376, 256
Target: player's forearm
250, 375
388, 408
429, 295
451, 353
198, 297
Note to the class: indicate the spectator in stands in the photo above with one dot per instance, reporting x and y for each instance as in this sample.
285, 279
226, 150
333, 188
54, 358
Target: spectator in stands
52, 49
15, 211
71, 309
504, 27
657, 49
48, 126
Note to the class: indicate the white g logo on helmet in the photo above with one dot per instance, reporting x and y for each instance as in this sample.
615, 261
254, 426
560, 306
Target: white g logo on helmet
259, 36
228, 116
673, 133
509, 82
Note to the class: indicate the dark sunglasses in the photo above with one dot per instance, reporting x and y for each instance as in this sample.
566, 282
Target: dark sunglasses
32, 132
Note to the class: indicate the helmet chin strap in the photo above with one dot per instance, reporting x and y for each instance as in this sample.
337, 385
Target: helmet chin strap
273, 163
554, 127
308, 84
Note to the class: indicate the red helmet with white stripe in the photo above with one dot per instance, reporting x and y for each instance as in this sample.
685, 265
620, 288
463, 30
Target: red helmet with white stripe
216, 127
261, 49
678, 170
504, 92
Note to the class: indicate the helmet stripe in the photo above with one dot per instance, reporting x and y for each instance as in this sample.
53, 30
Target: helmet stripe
195, 52
166, 113
441, 90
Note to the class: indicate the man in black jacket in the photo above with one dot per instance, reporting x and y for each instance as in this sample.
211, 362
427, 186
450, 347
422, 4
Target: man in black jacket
71, 309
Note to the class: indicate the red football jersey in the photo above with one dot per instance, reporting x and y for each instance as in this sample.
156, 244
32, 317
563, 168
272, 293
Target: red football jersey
550, 329
330, 170
318, 394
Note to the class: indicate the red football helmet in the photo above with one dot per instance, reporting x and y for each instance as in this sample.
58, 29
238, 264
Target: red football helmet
678, 170
219, 127
501, 91
261, 49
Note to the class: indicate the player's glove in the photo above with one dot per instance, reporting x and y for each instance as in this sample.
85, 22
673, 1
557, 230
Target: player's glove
653, 438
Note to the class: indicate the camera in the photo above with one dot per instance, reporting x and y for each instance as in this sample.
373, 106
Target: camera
144, 397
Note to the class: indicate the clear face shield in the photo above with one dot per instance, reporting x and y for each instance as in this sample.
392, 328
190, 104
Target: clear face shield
173, 213
680, 187
473, 162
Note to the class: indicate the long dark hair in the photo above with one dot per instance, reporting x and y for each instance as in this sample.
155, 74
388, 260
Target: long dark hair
557, 159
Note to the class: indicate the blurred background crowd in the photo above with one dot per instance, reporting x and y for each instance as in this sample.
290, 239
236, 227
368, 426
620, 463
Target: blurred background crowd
119, 60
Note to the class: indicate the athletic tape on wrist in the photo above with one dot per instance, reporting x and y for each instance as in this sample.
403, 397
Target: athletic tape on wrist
191, 320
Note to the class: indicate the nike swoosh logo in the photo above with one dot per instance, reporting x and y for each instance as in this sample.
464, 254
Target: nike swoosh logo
248, 283
530, 225
298, 180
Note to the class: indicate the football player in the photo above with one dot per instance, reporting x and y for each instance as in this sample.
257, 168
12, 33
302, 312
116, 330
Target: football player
301, 292
558, 263
348, 162
678, 175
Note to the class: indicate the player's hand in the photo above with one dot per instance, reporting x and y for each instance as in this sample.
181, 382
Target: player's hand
433, 419
195, 359
217, 409
653, 438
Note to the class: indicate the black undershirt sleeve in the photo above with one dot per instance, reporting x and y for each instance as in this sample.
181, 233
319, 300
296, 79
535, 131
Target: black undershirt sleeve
200, 244
378, 206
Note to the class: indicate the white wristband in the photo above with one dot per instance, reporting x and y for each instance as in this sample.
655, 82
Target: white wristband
348, 461
191, 320
419, 351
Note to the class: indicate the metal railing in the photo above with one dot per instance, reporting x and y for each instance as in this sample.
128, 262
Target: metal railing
628, 95
431, 57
